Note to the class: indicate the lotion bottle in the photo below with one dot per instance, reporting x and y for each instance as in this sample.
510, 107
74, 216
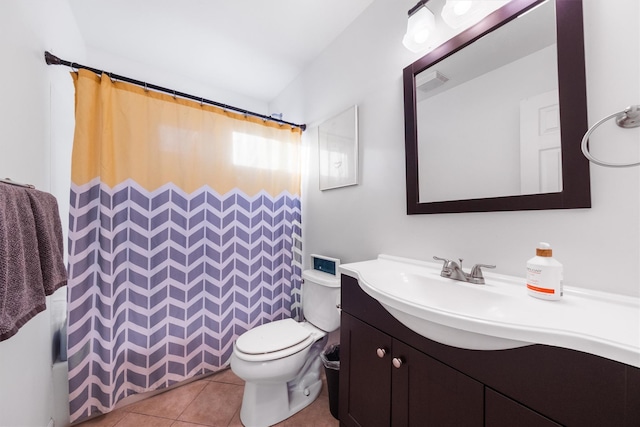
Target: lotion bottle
544, 274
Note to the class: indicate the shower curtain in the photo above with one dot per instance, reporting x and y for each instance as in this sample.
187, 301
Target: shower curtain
184, 233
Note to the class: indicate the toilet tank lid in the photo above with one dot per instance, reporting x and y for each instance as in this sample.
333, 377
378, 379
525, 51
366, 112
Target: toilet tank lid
272, 337
321, 278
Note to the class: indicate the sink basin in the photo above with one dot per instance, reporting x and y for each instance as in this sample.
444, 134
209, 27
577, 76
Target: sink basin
500, 314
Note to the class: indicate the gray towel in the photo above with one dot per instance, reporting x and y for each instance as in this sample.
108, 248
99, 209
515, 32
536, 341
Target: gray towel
49, 234
31, 264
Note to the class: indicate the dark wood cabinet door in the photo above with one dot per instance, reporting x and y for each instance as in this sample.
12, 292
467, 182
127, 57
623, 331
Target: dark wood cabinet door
500, 411
428, 393
365, 378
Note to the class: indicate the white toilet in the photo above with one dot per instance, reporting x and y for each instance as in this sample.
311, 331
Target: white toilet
280, 361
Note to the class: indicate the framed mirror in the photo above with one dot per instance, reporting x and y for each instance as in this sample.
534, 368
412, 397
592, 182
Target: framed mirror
494, 117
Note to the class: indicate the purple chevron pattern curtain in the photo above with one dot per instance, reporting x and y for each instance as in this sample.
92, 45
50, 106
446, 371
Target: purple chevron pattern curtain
184, 233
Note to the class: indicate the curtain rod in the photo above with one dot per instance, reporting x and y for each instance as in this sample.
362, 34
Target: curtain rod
51, 59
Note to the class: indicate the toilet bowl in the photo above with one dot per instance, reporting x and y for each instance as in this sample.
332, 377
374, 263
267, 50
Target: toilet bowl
280, 361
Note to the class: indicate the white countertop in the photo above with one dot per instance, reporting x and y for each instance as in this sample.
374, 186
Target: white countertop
500, 314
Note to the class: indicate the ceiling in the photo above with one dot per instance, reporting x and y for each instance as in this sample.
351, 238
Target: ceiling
255, 48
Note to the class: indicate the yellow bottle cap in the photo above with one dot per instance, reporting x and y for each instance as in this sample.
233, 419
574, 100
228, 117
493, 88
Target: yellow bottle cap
544, 249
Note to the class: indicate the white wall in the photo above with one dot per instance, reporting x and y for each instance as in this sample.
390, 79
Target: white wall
36, 118
129, 67
599, 247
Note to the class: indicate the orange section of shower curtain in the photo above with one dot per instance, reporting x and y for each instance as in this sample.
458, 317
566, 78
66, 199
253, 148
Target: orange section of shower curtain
152, 139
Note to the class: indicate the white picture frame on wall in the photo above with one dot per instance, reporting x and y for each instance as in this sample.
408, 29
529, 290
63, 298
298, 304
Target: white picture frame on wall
338, 150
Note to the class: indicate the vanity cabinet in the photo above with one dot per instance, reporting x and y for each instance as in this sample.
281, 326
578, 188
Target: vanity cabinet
391, 383
438, 385
500, 411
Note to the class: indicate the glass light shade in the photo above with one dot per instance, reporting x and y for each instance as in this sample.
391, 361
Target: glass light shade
464, 13
419, 28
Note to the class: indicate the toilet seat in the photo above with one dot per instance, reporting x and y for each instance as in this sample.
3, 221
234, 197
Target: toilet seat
273, 340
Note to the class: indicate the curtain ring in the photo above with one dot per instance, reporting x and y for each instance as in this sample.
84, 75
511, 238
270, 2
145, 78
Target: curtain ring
174, 94
145, 87
201, 102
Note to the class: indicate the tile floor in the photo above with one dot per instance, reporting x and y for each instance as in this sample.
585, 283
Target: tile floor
212, 401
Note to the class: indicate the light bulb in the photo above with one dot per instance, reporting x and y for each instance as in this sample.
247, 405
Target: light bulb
419, 27
421, 35
462, 6
464, 13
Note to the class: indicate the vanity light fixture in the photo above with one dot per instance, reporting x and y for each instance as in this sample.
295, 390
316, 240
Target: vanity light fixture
420, 25
424, 34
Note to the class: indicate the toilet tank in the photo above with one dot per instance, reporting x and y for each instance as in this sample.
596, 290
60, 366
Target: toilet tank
321, 293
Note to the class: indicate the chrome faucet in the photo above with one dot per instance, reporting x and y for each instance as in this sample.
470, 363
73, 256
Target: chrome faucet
453, 270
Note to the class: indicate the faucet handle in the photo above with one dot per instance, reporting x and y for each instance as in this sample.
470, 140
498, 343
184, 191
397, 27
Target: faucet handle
448, 264
441, 259
476, 273
447, 267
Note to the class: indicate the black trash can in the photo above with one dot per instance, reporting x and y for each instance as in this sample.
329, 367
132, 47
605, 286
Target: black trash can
331, 360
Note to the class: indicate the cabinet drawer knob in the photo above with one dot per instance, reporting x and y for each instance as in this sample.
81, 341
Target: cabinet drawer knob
397, 362
381, 352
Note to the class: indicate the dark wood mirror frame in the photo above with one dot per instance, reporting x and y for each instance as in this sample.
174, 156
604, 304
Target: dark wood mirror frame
576, 191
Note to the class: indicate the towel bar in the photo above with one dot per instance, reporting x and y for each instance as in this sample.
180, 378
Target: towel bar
9, 181
627, 118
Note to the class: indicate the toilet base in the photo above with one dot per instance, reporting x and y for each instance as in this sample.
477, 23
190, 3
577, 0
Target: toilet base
282, 403
266, 404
